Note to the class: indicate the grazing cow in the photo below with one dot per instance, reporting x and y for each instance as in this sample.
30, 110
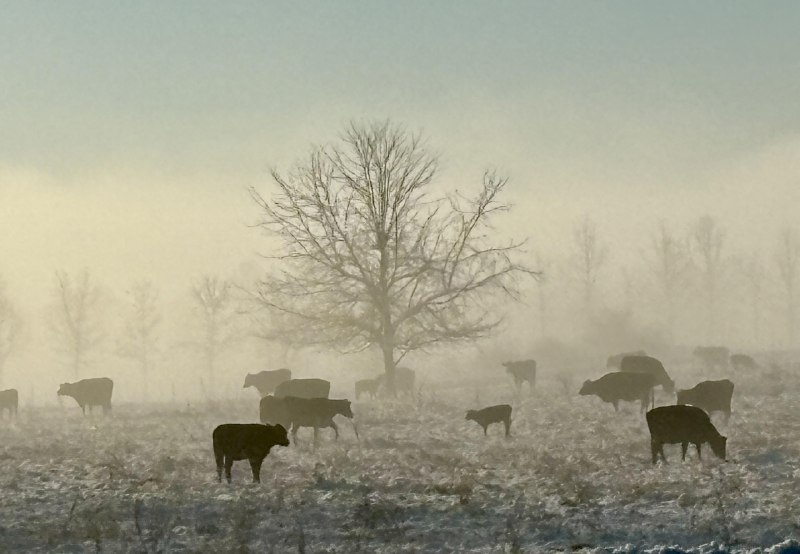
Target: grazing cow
614, 361
245, 441
493, 414
684, 425
712, 396
713, 357
304, 412
619, 385
266, 381
743, 362
403, 380
9, 400
368, 386
90, 392
647, 364
522, 371
304, 388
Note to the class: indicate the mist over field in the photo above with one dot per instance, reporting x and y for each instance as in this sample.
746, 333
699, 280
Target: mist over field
633, 176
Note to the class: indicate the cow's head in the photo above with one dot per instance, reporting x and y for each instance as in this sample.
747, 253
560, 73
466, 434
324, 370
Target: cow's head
345, 409
280, 435
669, 386
248, 381
470, 415
719, 446
683, 397
587, 388
65, 389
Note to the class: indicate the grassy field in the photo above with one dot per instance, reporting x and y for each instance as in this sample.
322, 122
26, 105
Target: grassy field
574, 475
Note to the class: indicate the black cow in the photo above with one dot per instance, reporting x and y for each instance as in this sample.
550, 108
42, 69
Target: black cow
403, 381
304, 388
90, 392
743, 362
522, 371
618, 385
711, 396
613, 362
684, 425
648, 364
9, 400
368, 386
266, 381
304, 412
245, 441
493, 414
713, 357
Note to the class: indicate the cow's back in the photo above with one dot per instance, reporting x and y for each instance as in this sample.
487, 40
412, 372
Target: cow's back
95, 391
649, 365
624, 385
304, 388
672, 424
709, 395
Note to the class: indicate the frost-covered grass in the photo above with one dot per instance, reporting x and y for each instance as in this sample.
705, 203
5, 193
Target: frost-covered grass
573, 475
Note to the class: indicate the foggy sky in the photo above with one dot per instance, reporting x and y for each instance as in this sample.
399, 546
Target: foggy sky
130, 132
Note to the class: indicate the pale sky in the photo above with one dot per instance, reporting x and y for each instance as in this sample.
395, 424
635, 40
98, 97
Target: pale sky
130, 131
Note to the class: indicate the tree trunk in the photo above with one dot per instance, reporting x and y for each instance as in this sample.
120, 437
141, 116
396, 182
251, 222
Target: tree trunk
389, 366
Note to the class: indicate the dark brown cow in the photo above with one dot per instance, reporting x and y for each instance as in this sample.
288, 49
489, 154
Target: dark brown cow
711, 396
266, 381
493, 414
648, 364
304, 388
522, 371
616, 386
245, 441
90, 392
304, 412
9, 400
682, 425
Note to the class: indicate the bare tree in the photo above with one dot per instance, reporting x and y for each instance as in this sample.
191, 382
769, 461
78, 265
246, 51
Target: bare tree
370, 258
708, 241
788, 261
589, 258
669, 266
10, 326
139, 341
214, 304
76, 322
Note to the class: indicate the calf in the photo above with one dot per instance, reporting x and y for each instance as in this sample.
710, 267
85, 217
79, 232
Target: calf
368, 386
618, 385
493, 414
9, 400
684, 425
304, 388
304, 412
245, 441
648, 364
90, 392
522, 371
266, 381
711, 396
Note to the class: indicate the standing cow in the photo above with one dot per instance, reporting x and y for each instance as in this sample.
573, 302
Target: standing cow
616, 386
304, 412
9, 400
711, 396
266, 381
648, 364
683, 425
90, 392
522, 371
245, 441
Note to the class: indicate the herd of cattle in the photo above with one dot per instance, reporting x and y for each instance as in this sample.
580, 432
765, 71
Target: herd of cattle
288, 404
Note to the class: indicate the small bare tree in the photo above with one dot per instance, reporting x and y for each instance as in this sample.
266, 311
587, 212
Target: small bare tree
214, 304
76, 323
588, 260
370, 258
788, 261
139, 341
669, 266
10, 326
708, 241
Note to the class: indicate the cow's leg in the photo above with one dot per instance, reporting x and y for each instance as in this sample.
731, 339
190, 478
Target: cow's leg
294, 435
83, 409
616, 405
485, 427
335, 429
219, 457
507, 423
684, 448
699, 457
228, 467
255, 467
654, 450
